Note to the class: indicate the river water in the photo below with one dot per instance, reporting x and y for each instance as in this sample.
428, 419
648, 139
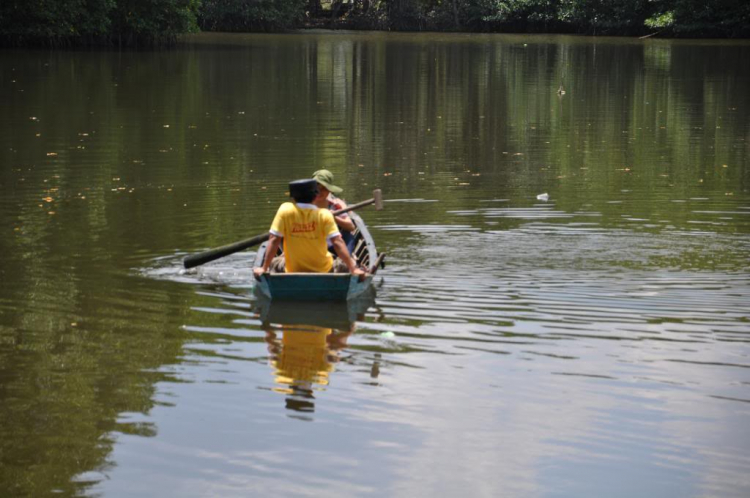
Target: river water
564, 310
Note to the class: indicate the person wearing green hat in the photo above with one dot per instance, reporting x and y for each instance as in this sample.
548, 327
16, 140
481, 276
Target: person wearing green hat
327, 199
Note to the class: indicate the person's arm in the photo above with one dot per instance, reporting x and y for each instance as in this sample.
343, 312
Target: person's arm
343, 253
343, 221
271, 249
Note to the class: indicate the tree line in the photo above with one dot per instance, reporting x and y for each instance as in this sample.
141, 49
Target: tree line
148, 22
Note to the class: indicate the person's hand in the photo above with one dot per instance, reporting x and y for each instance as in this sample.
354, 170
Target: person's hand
359, 273
257, 272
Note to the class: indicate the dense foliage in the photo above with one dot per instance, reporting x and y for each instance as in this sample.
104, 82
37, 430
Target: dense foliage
135, 22
62, 22
153, 20
244, 15
723, 18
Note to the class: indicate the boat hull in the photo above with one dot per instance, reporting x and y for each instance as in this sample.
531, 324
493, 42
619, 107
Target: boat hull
312, 286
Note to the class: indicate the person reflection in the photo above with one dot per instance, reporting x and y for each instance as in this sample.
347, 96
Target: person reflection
303, 360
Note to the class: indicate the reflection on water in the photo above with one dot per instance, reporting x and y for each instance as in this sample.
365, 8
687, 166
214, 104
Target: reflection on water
312, 336
303, 359
593, 341
337, 315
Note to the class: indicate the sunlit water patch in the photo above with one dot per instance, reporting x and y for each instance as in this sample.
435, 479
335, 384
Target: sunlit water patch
645, 339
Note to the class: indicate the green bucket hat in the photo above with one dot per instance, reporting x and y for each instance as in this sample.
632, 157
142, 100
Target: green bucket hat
325, 178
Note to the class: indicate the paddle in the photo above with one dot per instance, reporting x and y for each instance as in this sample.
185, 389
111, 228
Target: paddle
378, 263
219, 252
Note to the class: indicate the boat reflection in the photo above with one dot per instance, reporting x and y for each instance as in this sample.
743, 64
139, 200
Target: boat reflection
305, 340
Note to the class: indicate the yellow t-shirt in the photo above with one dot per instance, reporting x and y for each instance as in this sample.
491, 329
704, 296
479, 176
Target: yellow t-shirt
306, 230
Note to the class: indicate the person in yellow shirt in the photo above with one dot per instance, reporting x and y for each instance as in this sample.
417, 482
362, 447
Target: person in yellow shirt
305, 231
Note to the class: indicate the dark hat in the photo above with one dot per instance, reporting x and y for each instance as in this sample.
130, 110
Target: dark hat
303, 190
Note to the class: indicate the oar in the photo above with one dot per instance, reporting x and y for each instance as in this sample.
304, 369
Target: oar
378, 263
219, 252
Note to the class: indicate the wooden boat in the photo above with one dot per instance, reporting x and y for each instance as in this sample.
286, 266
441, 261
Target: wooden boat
322, 286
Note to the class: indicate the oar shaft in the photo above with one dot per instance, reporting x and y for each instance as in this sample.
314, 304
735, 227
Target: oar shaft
377, 200
353, 207
220, 252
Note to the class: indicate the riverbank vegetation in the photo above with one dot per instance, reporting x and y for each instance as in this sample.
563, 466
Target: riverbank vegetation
140, 22
96, 22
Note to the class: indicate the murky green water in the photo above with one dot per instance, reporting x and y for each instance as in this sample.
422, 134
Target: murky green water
596, 343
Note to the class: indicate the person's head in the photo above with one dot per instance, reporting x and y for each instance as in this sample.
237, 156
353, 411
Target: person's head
304, 191
325, 180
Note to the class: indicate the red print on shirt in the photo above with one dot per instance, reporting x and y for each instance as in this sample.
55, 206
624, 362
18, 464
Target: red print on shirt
303, 227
